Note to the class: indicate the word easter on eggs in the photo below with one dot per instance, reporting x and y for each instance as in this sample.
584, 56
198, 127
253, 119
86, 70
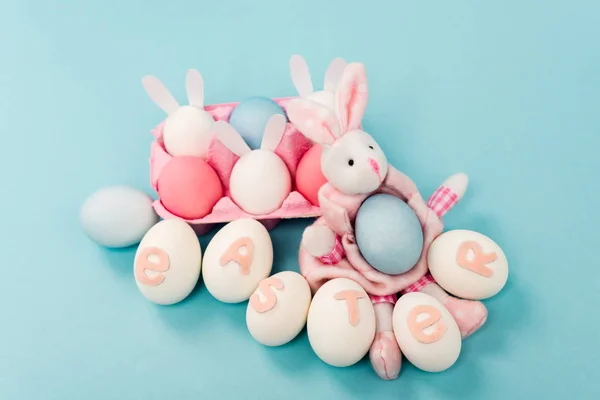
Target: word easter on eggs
278, 309
468, 264
167, 262
341, 322
426, 332
238, 257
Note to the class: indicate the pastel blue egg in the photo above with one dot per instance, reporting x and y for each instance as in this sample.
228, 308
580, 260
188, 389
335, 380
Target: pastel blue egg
388, 234
250, 118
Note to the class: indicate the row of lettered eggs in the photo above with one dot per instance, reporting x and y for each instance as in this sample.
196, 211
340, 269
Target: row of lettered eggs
340, 318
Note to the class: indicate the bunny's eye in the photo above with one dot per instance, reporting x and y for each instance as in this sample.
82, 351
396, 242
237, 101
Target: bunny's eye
351, 162
371, 147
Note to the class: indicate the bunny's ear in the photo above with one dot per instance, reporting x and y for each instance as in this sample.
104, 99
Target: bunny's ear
352, 96
300, 76
273, 132
195, 88
333, 74
315, 121
230, 138
159, 94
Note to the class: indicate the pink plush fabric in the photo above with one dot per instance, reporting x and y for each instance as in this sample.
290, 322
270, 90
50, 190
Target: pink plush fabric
291, 149
339, 211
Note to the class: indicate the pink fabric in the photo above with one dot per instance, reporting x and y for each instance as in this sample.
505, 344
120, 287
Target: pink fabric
292, 147
336, 255
392, 298
420, 284
339, 211
442, 200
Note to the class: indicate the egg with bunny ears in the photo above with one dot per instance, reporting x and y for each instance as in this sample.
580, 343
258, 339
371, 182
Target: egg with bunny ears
304, 86
187, 129
260, 181
351, 160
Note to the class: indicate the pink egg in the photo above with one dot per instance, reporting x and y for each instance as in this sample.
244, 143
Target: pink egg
189, 187
309, 177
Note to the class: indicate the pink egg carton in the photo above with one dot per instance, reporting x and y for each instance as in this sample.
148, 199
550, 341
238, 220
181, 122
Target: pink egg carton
291, 149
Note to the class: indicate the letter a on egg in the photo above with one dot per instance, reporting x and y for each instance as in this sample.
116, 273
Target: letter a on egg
143, 264
351, 297
433, 320
242, 252
270, 298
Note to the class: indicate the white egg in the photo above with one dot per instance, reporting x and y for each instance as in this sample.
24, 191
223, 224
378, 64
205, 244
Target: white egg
468, 264
117, 216
237, 258
426, 332
341, 322
168, 262
260, 182
277, 310
187, 132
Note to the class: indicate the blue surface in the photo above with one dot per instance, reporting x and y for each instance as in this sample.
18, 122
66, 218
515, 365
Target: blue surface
388, 234
250, 118
506, 91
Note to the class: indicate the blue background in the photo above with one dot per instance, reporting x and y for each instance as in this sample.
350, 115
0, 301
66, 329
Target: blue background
506, 91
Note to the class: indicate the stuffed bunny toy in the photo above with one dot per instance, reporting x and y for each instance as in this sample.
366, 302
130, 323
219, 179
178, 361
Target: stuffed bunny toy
355, 168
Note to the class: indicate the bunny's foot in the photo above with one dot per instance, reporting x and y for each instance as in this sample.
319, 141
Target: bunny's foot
319, 240
385, 355
469, 315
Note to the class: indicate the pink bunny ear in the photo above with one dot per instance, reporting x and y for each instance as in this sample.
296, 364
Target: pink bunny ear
352, 96
315, 121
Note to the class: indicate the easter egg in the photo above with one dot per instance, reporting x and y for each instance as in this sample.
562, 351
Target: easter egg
426, 332
167, 262
468, 264
309, 176
117, 216
278, 308
238, 257
388, 234
250, 118
341, 322
189, 187
260, 182
187, 132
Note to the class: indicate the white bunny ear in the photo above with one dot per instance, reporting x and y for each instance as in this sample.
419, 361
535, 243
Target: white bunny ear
159, 94
273, 132
230, 138
314, 120
352, 96
334, 73
300, 75
195, 88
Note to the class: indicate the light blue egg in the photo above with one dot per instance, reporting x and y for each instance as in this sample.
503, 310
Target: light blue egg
388, 234
250, 118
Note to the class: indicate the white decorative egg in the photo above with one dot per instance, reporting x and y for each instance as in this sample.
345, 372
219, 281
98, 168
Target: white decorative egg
277, 310
341, 322
187, 132
117, 216
237, 258
167, 262
468, 264
426, 332
260, 182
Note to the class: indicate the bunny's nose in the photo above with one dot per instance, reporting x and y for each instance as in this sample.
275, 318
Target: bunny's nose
374, 166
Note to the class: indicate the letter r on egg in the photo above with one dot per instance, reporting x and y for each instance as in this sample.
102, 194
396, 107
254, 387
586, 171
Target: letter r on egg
351, 297
477, 264
270, 299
